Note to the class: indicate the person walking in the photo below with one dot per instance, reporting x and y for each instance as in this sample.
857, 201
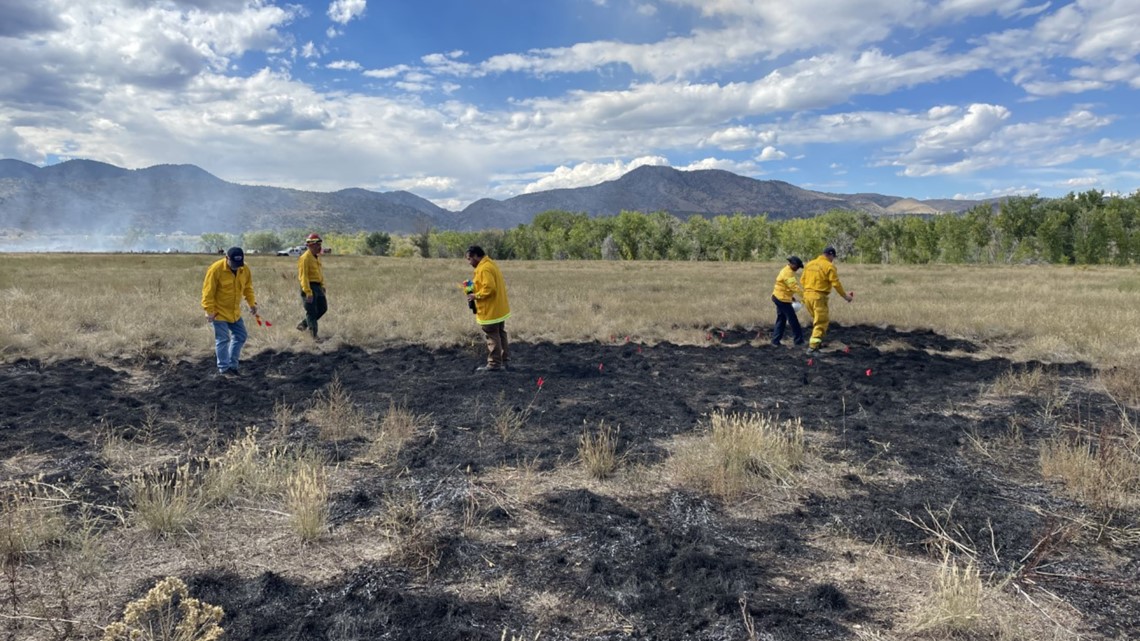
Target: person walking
313, 289
820, 277
783, 295
492, 309
227, 281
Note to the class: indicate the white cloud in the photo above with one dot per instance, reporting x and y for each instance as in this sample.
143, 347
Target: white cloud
388, 72
309, 50
344, 65
1083, 181
770, 153
343, 11
1000, 192
589, 173
418, 184
741, 137
736, 167
647, 9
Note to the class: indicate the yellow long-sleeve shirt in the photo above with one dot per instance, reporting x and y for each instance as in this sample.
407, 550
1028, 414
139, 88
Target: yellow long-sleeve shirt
491, 304
309, 271
223, 289
787, 285
820, 276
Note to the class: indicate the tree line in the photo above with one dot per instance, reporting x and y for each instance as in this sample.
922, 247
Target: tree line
1086, 228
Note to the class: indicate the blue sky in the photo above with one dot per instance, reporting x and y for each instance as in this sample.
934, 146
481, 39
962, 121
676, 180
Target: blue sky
456, 100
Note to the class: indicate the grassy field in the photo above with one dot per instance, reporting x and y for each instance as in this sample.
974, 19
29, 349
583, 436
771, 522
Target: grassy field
112, 306
948, 496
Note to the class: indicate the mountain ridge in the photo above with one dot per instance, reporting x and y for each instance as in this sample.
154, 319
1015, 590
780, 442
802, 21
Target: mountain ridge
86, 196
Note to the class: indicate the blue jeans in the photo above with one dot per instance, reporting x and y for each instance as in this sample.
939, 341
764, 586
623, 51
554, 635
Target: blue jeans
228, 340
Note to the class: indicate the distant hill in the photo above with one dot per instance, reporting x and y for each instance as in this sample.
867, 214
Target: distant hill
83, 196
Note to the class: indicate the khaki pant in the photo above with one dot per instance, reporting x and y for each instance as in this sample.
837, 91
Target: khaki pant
498, 347
816, 305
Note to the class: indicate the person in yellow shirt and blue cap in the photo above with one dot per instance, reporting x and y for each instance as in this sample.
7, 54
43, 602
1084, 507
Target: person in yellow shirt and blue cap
783, 295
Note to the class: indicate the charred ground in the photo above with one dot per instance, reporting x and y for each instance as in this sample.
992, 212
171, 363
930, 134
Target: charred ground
575, 561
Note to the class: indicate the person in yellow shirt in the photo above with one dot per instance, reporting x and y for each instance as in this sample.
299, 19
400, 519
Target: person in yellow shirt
227, 281
820, 277
783, 295
492, 309
312, 279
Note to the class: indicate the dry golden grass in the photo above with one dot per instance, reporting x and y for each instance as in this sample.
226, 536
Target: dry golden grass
1102, 470
1028, 311
398, 426
307, 500
167, 503
413, 531
337, 416
31, 519
598, 451
167, 613
740, 454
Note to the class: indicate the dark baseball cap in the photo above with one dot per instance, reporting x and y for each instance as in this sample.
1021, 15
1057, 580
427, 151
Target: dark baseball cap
236, 256
829, 250
795, 261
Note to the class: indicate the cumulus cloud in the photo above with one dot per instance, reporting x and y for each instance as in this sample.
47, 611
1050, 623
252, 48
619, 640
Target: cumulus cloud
344, 65
1083, 181
430, 185
982, 139
770, 153
387, 72
589, 173
344, 11
741, 137
23, 18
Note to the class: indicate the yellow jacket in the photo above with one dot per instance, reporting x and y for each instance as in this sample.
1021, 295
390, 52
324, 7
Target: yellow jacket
787, 285
222, 291
309, 271
491, 305
820, 276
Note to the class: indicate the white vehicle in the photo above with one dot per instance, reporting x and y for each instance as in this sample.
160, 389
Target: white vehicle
292, 251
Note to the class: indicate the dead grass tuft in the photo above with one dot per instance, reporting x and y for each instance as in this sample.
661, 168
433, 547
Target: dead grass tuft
415, 534
307, 499
955, 604
1033, 381
1102, 471
167, 613
1122, 383
739, 453
598, 451
167, 503
30, 522
336, 416
398, 426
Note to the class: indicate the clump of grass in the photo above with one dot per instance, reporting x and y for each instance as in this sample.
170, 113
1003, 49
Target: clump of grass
398, 426
307, 499
235, 471
29, 522
336, 416
414, 533
166, 503
507, 420
955, 606
1123, 384
284, 415
598, 451
1034, 381
740, 452
167, 613
1104, 474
